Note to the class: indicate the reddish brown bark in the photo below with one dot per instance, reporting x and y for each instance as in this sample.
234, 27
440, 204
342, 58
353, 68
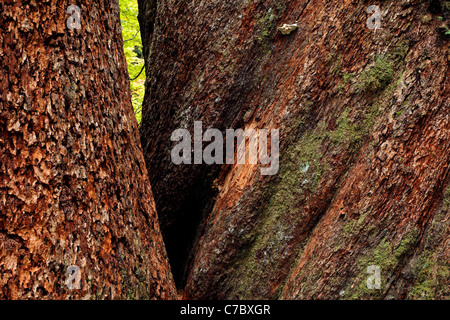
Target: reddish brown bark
364, 133
73, 185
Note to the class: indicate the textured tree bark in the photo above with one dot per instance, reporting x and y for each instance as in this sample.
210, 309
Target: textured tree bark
146, 17
364, 161
74, 189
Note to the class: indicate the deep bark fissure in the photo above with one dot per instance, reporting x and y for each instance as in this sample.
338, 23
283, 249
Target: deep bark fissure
362, 99
181, 236
183, 208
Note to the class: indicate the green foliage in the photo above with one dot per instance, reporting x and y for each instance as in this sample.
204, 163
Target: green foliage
133, 52
446, 28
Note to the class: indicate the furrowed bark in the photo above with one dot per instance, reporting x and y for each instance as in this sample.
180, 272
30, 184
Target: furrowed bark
74, 189
364, 147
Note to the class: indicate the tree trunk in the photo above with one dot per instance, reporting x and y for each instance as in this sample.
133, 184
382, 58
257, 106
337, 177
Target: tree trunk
364, 130
76, 207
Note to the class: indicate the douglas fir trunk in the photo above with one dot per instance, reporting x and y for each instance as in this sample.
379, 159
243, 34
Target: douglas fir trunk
76, 208
360, 95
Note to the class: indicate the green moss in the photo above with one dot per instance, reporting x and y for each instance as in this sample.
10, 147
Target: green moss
382, 73
352, 133
355, 226
133, 53
346, 132
431, 269
406, 244
134, 285
335, 64
431, 276
301, 169
387, 256
302, 166
266, 25
426, 18
329, 57
446, 200
346, 78
377, 77
446, 5
398, 54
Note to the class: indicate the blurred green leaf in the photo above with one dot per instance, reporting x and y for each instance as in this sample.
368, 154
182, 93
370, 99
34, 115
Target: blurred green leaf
133, 52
